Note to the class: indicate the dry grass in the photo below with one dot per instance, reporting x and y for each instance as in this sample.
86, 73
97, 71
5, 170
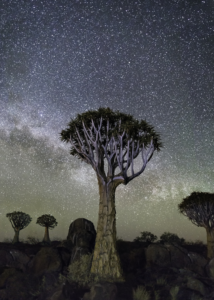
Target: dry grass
141, 293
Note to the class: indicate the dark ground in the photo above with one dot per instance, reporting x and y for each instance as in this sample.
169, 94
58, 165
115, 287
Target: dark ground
132, 260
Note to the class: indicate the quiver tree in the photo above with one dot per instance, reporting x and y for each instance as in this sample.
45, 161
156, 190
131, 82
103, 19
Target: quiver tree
49, 222
199, 208
110, 142
19, 221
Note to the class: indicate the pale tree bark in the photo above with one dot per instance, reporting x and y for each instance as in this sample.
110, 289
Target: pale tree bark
46, 236
16, 236
210, 242
106, 264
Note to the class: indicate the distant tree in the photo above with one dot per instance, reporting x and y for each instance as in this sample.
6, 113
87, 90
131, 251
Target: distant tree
49, 222
171, 238
110, 142
19, 221
146, 236
199, 208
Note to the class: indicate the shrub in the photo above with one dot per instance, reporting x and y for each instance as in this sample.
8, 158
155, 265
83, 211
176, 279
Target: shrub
7, 240
79, 270
157, 295
171, 238
32, 240
146, 236
119, 239
57, 239
174, 290
141, 293
161, 281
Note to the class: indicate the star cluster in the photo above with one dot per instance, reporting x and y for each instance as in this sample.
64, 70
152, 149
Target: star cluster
152, 59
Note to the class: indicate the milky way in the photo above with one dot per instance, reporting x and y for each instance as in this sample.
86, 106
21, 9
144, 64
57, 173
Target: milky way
152, 59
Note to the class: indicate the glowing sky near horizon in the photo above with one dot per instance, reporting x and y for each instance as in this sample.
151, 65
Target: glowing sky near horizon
152, 59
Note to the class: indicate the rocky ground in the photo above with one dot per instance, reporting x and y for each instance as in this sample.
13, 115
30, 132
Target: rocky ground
31, 272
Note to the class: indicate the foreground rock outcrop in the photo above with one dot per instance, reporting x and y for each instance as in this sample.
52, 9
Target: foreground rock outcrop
40, 272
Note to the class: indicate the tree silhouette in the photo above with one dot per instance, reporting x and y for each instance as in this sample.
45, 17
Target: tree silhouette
49, 222
146, 236
19, 221
199, 208
110, 142
171, 238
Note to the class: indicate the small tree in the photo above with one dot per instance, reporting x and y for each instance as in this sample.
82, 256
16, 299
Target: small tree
19, 221
49, 222
199, 208
110, 142
146, 236
171, 238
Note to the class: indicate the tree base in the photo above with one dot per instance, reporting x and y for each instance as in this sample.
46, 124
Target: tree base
98, 279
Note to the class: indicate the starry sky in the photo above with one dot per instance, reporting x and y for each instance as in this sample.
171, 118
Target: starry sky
153, 59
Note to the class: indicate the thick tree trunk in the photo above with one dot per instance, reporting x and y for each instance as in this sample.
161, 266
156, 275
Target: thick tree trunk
210, 242
16, 236
106, 262
46, 236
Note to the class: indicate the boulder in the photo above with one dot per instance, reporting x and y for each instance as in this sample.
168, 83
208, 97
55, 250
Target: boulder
46, 260
20, 259
178, 256
157, 254
6, 258
7, 273
104, 291
66, 244
198, 263
210, 268
82, 235
22, 286
197, 285
3, 294
188, 294
65, 255
175, 256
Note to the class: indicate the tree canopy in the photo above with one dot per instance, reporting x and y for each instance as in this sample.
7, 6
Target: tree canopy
114, 136
19, 220
171, 238
199, 208
47, 221
146, 236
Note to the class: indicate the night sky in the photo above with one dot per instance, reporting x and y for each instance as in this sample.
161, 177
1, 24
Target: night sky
153, 59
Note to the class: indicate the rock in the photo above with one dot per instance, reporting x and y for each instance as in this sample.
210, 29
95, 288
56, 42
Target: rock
46, 260
198, 263
197, 285
66, 244
20, 259
210, 268
7, 273
83, 235
3, 294
23, 287
65, 255
188, 294
172, 255
104, 291
6, 258
179, 256
157, 254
